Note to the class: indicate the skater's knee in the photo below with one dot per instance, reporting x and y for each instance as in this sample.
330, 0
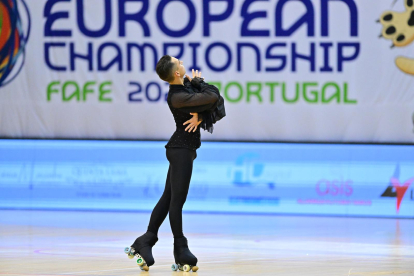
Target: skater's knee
177, 202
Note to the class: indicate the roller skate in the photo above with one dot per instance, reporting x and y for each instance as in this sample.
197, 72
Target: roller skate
142, 249
184, 259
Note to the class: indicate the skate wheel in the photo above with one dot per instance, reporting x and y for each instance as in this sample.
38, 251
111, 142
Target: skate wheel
174, 267
145, 267
186, 268
127, 250
140, 261
180, 267
130, 256
194, 268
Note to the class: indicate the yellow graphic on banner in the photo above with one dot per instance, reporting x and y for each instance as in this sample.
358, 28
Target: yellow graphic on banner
399, 27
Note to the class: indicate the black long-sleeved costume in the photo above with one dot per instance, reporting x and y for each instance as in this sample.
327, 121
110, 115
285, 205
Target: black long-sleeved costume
182, 100
199, 97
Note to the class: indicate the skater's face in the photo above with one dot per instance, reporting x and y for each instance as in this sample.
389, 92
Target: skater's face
179, 71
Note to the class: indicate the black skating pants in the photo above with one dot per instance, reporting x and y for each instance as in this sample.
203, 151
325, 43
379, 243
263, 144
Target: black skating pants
175, 192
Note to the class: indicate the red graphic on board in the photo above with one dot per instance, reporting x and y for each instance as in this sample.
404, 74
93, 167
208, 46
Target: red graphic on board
396, 189
400, 189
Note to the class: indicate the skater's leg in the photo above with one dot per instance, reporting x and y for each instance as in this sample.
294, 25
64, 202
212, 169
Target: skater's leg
181, 162
181, 166
161, 209
143, 244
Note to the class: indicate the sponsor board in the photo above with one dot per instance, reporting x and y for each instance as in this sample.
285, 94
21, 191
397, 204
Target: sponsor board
248, 178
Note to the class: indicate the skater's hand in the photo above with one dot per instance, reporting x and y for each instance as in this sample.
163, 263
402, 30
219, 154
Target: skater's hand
192, 123
196, 74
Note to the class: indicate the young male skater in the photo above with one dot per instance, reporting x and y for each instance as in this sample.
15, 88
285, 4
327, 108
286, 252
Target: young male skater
190, 100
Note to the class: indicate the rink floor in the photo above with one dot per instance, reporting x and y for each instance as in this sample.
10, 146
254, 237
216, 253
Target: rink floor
92, 243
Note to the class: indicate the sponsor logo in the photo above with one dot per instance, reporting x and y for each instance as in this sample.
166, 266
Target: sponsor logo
334, 192
248, 174
396, 188
334, 187
14, 34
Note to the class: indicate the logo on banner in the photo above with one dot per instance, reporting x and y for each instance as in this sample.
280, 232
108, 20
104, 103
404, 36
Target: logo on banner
396, 188
399, 27
14, 33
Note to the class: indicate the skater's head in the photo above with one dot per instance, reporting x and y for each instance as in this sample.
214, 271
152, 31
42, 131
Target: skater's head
170, 69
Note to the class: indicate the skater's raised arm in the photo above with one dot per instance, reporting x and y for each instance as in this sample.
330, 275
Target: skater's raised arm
203, 100
206, 97
199, 108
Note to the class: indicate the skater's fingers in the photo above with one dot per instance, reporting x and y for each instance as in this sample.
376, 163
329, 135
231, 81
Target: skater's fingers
193, 73
189, 121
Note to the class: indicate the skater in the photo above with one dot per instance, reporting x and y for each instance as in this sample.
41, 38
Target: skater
192, 102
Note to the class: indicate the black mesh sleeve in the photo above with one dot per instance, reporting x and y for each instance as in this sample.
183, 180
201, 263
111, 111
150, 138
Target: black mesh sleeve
187, 99
198, 108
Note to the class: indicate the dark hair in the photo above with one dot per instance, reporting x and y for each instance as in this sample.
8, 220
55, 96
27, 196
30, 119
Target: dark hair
164, 68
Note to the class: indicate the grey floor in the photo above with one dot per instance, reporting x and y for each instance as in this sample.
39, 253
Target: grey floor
91, 243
